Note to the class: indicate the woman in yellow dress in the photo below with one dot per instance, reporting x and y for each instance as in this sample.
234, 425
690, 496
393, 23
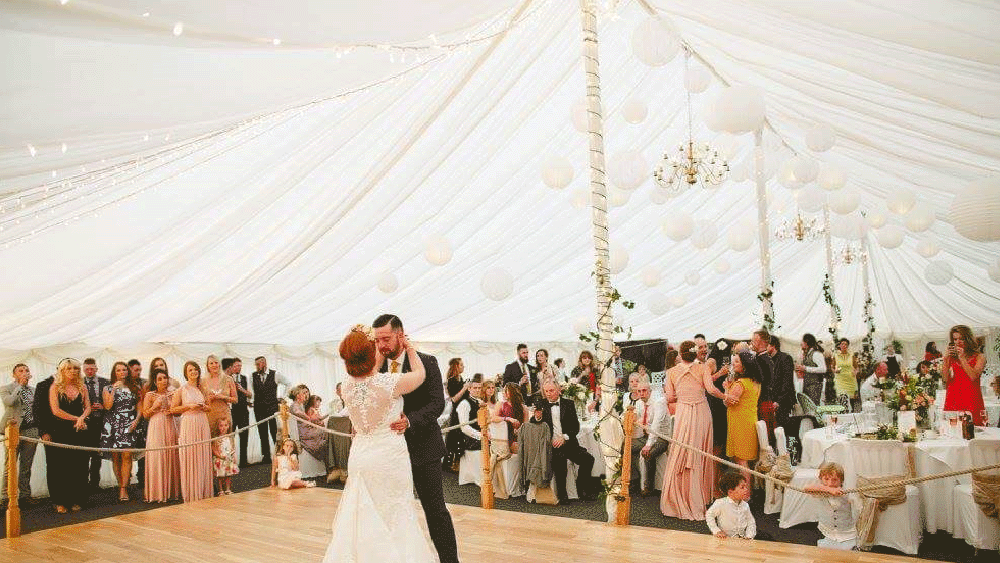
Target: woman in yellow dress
845, 379
742, 394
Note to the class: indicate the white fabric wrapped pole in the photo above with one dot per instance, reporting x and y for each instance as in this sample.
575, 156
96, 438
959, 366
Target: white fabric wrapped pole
828, 240
762, 234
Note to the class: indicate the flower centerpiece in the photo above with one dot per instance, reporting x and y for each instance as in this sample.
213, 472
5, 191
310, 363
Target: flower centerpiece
914, 394
578, 394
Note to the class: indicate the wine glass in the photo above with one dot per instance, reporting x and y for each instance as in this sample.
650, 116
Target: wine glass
833, 422
953, 424
985, 417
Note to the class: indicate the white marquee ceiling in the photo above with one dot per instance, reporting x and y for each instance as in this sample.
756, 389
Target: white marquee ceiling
276, 204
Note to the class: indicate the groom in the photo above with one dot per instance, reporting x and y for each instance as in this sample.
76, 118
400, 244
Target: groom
421, 409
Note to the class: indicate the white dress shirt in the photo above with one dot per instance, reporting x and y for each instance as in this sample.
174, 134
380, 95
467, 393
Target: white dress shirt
557, 422
465, 415
819, 360
657, 418
732, 518
640, 408
868, 390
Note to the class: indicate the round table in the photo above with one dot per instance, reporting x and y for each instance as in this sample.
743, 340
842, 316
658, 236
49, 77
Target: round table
589, 442
930, 456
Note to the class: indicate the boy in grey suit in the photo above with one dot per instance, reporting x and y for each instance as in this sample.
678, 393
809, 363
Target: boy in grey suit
17, 399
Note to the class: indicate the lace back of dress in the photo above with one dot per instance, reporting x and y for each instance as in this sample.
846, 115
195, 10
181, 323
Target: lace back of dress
369, 401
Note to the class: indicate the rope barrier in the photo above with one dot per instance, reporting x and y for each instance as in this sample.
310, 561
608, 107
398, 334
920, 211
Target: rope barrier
779, 482
143, 450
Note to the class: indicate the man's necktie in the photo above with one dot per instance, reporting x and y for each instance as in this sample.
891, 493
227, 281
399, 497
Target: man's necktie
524, 371
394, 366
645, 410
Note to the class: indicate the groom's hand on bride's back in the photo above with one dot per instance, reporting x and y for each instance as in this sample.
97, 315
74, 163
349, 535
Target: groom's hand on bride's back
400, 425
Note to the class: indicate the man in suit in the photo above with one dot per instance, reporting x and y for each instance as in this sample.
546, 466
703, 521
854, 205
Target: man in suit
95, 422
782, 389
418, 422
759, 341
265, 389
17, 398
560, 415
240, 409
656, 416
522, 373
41, 412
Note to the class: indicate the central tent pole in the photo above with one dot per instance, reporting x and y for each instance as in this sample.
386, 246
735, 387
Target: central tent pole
828, 239
610, 427
766, 282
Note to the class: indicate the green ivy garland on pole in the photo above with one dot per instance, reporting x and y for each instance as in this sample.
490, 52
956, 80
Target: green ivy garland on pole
767, 294
831, 300
868, 342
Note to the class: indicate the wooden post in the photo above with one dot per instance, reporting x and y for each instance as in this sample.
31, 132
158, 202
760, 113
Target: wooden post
486, 491
284, 421
624, 501
13, 494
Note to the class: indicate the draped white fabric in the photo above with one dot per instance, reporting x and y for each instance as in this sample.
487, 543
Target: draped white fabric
261, 223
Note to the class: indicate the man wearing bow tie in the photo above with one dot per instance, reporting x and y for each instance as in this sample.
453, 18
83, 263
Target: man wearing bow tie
560, 415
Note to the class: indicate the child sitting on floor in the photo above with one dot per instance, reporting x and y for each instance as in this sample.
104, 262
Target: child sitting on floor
729, 516
285, 472
837, 523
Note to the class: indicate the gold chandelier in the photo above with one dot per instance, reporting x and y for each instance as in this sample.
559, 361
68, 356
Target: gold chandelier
849, 255
800, 229
690, 163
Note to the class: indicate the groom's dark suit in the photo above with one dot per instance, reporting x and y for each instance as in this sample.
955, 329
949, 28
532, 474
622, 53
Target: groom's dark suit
422, 408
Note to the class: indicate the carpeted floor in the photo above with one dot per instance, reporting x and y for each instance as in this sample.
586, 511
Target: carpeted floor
645, 512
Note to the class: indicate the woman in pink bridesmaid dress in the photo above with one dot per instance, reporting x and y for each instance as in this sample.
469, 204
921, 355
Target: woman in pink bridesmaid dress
689, 477
196, 459
163, 470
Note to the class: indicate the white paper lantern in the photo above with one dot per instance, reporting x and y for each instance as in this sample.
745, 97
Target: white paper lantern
876, 219
786, 175
721, 266
697, 79
938, 272
677, 300
634, 110
659, 304
618, 198
582, 325
805, 168
580, 116
388, 283
628, 170
741, 109
658, 196
831, 177
928, 246
844, 201
557, 172
692, 277
679, 226
993, 271
900, 200
728, 145
704, 234
712, 116
497, 284
581, 198
820, 138
810, 198
650, 276
920, 218
890, 236
619, 259
975, 211
851, 227
741, 236
654, 42
437, 251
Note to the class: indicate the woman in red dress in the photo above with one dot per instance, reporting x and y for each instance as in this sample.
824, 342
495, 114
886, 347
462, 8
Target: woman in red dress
962, 367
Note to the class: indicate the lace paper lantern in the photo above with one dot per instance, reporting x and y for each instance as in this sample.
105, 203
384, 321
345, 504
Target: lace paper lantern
497, 284
975, 211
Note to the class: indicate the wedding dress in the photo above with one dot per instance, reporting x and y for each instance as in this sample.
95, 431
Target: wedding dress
377, 521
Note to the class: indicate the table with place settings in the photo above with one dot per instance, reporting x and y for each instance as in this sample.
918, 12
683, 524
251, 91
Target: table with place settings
931, 456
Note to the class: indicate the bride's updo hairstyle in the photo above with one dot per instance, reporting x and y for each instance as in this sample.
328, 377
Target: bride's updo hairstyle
358, 352
688, 351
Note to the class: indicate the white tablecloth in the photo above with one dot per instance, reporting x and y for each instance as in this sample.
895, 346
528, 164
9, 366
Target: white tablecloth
589, 442
930, 456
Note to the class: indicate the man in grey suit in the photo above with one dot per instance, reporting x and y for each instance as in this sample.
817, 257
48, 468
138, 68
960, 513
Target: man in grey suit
17, 400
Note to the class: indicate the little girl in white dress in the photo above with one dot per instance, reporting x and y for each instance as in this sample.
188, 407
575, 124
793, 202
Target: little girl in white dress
286, 467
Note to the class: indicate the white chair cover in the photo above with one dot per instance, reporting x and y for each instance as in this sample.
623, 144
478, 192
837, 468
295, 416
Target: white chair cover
780, 441
470, 471
900, 526
978, 530
774, 495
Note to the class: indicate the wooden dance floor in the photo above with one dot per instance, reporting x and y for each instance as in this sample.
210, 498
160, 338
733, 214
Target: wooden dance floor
270, 525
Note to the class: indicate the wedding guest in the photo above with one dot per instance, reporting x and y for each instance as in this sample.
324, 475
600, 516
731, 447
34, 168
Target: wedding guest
135, 371
265, 402
782, 383
159, 363
121, 423
560, 370
923, 369
17, 398
499, 439
721, 355
224, 458
931, 352
70, 406
95, 423
513, 412
219, 391
730, 516
586, 373
521, 372
893, 361
639, 435
622, 368
845, 378
811, 368
241, 408
467, 437
759, 342
963, 366
337, 403
560, 415
285, 472
654, 415
41, 413
163, 470
741, 398
689, 477
868, 391
545, 370
313, 440
195, 452
456, 387
837, 522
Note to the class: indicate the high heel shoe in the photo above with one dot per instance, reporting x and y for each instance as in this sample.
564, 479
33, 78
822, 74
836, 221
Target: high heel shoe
61, 509
123, 496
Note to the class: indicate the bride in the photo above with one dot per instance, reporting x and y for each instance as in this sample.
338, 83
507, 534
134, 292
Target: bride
377, 520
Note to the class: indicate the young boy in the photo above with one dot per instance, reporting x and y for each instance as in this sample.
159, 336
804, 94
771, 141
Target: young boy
837, 523
729, 516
